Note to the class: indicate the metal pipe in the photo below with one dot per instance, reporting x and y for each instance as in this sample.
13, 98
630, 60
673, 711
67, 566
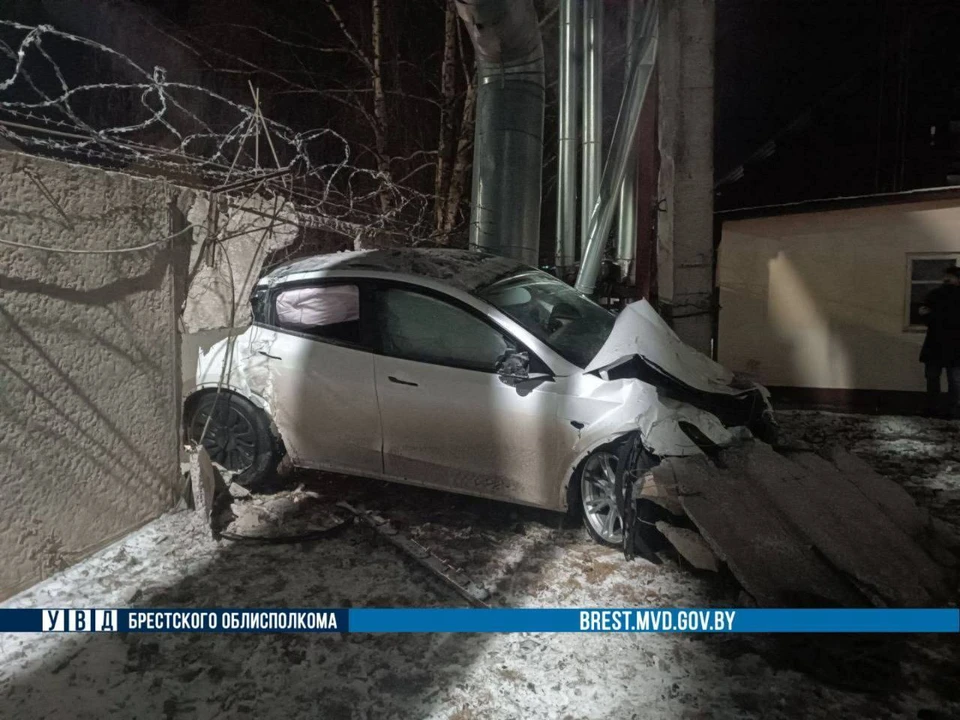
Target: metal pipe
627, 217
592, 142
508, 137
566, 248
601, 218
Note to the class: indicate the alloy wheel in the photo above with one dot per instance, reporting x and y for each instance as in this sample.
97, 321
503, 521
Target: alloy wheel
598, 496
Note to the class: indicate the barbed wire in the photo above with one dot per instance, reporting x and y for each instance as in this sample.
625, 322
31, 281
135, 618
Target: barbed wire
72, 98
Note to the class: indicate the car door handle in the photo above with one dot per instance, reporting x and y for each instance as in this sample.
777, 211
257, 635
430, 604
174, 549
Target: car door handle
392, 379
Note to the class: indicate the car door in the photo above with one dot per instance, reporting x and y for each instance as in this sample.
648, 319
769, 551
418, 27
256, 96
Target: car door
448, 421
318, 372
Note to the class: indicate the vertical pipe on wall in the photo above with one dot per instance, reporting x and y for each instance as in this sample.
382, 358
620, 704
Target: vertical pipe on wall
566, 248
624, 135
592, 141
508, 136
627, 220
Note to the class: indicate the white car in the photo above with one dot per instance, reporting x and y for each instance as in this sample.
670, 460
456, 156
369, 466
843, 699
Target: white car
459, 371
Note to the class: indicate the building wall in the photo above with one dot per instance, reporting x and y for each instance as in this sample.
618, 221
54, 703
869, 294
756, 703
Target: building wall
817, 300
89, 372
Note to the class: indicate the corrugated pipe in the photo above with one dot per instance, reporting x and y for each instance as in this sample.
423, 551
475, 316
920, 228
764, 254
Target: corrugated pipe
508, 140
624, 134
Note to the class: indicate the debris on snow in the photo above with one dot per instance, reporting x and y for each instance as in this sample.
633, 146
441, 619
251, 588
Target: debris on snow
206, 482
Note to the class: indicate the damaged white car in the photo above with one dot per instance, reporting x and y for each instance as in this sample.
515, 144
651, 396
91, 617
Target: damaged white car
464, 372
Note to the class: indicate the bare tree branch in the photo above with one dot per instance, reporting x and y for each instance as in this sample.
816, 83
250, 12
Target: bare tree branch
348, 35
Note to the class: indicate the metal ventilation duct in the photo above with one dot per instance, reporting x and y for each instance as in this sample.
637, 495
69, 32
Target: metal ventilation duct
627, 218
566, 254
621, 144
592, 141
508, 140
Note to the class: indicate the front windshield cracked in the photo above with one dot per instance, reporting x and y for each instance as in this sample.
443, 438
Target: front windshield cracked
568, 322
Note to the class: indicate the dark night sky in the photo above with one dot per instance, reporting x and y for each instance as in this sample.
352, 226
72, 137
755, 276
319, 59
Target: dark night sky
815, 98
861, 83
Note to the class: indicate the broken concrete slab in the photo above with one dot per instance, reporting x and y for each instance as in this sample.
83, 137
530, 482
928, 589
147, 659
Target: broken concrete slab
774, 564
691, 546
896, 503
799, 530
827, 508
892, 499
231, 240
659, 486
205, 480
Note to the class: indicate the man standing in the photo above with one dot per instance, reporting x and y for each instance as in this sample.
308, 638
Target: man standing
941, 348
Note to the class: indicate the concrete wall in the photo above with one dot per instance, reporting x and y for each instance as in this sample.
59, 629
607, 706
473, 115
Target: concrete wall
685, 232
817, 300
89, 376
230, 243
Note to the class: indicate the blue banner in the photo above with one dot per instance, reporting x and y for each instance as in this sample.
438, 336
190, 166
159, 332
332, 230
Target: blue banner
459, 620
656, 620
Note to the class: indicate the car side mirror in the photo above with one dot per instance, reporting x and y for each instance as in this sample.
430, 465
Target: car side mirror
513, 367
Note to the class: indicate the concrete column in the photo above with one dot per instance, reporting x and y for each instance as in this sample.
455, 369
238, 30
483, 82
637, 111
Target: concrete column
685, 250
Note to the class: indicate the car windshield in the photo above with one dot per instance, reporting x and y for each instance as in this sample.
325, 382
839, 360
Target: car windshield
572, 325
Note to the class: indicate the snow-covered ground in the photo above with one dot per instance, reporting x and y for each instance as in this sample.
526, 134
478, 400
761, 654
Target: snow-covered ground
525, 557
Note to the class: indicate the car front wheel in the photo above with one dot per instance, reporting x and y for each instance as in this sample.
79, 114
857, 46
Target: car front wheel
236, 435
598, 498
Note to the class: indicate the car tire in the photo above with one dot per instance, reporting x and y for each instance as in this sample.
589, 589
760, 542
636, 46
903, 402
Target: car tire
585, 490
239, 437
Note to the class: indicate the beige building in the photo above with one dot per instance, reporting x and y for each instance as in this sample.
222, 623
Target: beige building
819, 300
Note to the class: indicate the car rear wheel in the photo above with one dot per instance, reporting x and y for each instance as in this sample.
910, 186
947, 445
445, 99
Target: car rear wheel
598, 498
236, 434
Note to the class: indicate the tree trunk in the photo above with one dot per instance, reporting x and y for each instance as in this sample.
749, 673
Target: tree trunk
380, 105
458, 175
448, 90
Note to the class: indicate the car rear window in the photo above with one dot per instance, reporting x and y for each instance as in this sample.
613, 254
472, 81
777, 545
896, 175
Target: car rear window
328, 311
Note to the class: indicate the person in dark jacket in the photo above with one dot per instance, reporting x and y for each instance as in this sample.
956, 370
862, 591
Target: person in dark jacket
941, 348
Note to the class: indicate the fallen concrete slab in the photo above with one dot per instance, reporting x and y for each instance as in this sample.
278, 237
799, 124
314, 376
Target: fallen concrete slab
801, 530
852, 533
774, 565
691, 546
893, 500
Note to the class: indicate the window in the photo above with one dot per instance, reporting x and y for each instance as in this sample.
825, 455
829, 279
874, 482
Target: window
420, 327
329, 311
925, 272
574, 326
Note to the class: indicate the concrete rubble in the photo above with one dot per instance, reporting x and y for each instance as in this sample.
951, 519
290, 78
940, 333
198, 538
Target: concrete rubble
799, 528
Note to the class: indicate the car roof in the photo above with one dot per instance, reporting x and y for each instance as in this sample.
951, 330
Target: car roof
462, 269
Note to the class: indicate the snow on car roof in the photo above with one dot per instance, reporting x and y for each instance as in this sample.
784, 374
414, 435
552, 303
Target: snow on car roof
464, 269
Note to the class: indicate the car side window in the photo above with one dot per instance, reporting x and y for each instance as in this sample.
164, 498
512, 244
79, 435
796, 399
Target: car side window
331, 312
421, 327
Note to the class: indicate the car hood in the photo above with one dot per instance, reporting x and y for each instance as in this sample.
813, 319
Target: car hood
640, 333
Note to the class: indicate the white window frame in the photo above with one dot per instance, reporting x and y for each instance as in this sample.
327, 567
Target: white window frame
908, 285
